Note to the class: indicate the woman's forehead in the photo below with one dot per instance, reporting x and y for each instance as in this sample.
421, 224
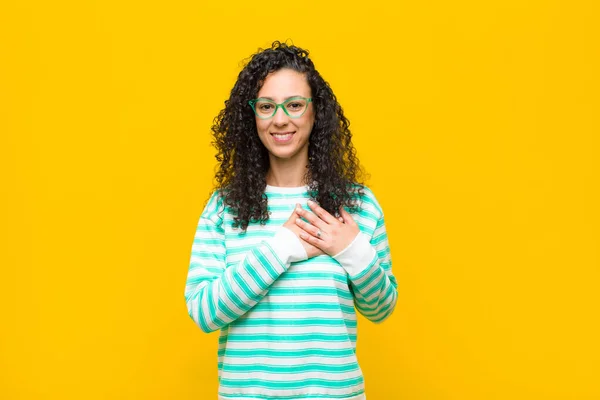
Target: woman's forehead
283, 84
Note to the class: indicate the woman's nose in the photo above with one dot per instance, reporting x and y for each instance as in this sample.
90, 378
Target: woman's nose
280, 117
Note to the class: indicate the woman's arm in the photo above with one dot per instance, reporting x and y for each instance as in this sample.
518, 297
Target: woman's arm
215, 295
369, 266
365, 258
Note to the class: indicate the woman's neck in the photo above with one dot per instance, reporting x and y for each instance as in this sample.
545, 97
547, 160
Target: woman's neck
287, 173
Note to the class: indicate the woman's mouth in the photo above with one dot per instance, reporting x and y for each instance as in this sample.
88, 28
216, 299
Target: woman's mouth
282, 137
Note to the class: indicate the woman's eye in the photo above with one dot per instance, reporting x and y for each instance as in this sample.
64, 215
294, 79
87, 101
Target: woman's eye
265, 107
295, 106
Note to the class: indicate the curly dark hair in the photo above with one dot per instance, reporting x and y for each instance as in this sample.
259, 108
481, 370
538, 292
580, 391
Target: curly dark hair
333, 171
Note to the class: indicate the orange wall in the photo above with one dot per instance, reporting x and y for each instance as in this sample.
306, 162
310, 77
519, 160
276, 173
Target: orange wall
478, 122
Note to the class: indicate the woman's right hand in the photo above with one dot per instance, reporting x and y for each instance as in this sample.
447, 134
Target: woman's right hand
311, 251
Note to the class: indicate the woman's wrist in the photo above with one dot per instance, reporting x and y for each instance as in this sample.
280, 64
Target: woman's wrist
287, 245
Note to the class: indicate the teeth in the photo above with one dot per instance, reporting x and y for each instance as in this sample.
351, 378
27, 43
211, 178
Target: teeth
285, 136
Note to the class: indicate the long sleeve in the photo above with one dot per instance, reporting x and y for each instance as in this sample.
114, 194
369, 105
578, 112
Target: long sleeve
369, 266
216, 295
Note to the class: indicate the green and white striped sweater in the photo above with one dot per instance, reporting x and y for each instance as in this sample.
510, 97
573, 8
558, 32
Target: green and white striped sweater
288, 324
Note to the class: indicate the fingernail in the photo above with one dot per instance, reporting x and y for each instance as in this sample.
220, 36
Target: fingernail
310, 202
298, 220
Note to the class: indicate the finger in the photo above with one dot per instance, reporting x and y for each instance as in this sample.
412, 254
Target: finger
297, 210
310, 217
321, 212
341, 219
294, 214
308, 228
318, 243
347, 217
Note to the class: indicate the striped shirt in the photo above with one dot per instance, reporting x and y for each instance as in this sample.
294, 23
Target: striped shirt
287, 323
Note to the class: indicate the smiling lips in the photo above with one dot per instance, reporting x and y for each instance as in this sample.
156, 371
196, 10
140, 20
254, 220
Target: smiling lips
282, 137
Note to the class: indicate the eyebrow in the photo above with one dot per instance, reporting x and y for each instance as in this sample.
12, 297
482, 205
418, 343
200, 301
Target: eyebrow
287, 98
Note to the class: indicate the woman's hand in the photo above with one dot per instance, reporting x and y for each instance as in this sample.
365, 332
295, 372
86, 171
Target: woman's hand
324, 231
311, 251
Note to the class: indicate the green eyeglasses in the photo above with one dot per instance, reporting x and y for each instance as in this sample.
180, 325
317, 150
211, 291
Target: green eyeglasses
293, 107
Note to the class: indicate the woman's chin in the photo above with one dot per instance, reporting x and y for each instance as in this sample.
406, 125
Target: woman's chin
284, 155
287, 152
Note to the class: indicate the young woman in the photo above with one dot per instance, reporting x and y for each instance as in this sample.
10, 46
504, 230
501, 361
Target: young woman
289, 243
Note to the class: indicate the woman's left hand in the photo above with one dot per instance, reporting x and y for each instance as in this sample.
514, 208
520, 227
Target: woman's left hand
324, 231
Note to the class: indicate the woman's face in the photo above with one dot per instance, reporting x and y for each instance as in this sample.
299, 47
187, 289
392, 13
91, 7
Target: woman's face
284, 137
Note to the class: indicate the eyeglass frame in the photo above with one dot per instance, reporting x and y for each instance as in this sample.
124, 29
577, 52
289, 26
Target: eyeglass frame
278, 105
